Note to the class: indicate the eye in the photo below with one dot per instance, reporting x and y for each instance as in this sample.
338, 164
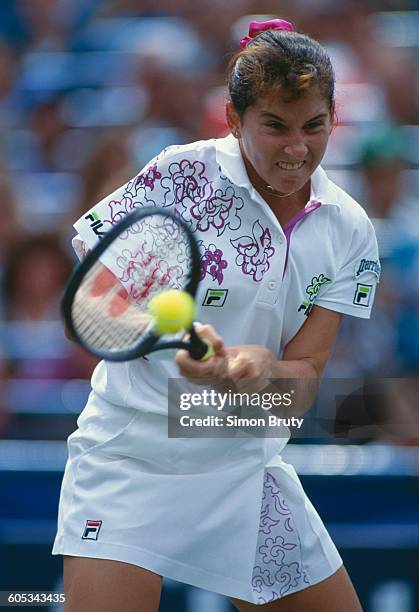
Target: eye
314, 126
276, 126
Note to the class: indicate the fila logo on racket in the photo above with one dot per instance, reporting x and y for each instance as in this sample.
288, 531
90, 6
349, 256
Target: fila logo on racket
96, 224
91, 530
215, 297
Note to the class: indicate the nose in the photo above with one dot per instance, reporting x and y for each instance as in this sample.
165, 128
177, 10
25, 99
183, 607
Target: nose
296, 148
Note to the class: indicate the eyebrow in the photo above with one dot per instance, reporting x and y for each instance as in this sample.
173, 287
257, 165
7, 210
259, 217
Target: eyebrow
280, 120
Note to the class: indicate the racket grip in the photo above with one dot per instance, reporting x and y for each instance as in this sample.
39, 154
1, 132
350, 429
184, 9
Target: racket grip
199, 349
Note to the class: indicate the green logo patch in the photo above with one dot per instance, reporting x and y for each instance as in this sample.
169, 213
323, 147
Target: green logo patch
215, 297
362, 295
312, 291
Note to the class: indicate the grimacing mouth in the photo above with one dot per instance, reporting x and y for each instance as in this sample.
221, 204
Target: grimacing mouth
290, 165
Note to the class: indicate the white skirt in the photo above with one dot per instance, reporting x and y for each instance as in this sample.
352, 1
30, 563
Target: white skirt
226, 515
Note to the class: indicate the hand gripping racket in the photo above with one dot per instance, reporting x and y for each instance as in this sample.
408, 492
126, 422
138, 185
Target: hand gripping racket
105, 302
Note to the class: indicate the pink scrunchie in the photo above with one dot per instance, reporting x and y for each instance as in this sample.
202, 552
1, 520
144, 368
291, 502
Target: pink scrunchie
256, 27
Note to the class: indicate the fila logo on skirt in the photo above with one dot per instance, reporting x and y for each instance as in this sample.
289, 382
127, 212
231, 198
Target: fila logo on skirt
91, 531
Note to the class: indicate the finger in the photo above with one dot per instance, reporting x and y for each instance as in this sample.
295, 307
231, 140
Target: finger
209, 369
213, 369
208, 333
237, 367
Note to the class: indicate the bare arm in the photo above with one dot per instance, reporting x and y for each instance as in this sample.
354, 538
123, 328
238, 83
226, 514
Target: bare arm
303, 361
308, 352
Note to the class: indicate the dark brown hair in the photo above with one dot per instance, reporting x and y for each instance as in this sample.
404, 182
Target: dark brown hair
279, 60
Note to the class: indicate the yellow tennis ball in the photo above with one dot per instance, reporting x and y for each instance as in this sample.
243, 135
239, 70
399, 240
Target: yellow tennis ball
173, 310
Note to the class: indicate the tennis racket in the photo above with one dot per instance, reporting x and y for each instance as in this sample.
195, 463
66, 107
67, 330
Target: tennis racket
105, 301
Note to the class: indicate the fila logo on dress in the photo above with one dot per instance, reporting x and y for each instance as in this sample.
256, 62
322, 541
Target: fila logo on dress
215, 297
95, 224
91, 530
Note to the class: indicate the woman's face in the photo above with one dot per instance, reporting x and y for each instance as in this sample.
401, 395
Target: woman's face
283, 141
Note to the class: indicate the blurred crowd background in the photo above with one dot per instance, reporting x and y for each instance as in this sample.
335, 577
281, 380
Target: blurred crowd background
90, 90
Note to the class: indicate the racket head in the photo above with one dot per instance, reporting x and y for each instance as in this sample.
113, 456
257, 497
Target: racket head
128, 332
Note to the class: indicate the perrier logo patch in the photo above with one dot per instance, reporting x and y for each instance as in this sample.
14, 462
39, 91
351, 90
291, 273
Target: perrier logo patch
312, 291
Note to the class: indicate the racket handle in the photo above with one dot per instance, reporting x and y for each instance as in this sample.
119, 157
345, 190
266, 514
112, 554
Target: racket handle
199, 349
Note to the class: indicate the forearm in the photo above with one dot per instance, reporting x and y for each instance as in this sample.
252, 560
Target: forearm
298, 378
295, 369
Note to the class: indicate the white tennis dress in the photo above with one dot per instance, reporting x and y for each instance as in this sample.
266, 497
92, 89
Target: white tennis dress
227, 514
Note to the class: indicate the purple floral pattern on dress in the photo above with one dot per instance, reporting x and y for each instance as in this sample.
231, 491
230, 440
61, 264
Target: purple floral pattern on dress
198, 203
185, 184
136, 194
266, 521
119, 208
205, 202
219, 211
278, 569
212, 263
188, 179
148, 177
254, 252
153, 255
274, 549
261, 579
143, 275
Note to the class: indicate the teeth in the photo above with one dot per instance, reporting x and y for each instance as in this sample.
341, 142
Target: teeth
285, 166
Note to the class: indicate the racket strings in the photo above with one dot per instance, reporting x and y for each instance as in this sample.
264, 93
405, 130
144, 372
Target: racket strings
110, 313
94, 323
100, 331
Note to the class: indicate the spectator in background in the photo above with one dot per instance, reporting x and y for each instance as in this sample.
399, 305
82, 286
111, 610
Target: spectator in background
364, 54
394, 211
108, 167
9, 235
35, 272
9, 222
388, 346
5, 415
39, 24
383, 160
47, 126
8, 98
10, 230
184, 110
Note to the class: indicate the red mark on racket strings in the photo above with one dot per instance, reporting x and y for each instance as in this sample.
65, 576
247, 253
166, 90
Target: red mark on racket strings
149, 259
152, 281
133, 264
142, 263
106, 280
119, 304
103, 282
148, 285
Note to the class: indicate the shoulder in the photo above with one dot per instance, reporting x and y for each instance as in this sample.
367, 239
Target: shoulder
177, 163
349, 215
194, 150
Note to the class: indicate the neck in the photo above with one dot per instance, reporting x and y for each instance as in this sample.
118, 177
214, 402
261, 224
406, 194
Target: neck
297, 199
268, 189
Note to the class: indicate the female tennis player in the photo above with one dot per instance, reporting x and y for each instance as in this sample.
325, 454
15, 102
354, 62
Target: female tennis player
285, 252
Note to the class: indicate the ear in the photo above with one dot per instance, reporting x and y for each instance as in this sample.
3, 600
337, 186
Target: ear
233, 119
333, 118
